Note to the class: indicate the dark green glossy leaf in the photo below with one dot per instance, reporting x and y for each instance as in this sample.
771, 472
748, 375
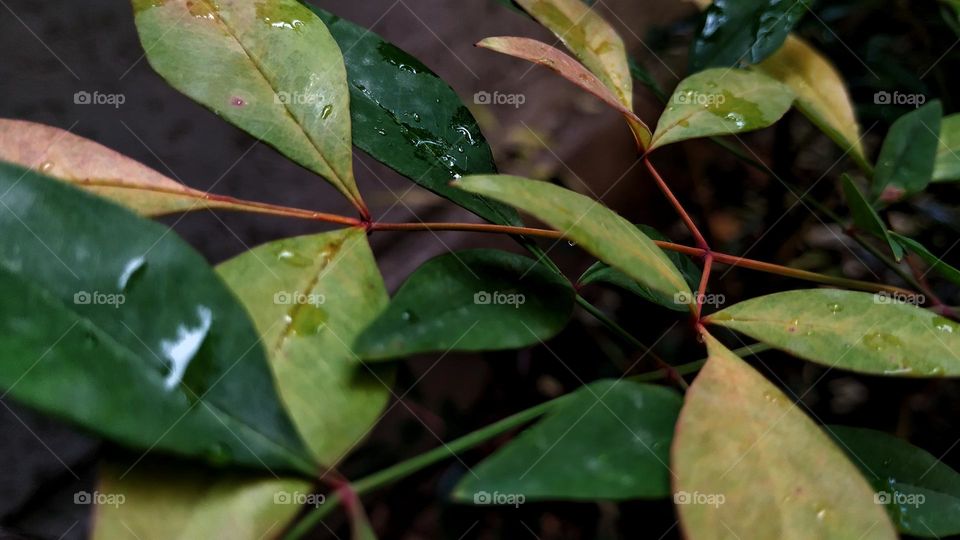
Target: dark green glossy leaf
609, 440
865, 217
406, 117
114, 323
269, 67
310, 297
734, 32
869, 333
921, 493
470, 301
750, 464
601, 272
935, 262
905, 164
722, 102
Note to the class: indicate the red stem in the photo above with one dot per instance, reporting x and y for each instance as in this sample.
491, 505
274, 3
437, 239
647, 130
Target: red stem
700, 240
704, 279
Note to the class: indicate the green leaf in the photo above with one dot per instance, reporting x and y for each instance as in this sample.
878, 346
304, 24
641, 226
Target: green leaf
172, 501
406, 117
921, 493
946, 167
269, 67
868, 333
474, 300
935, 262
609, 440
721, 102
590, 38
100, 170
865, 217
112, 322
538, 52
601, 272
310, 297
733, 32
599, 230
821, 93
750, 464
905, 164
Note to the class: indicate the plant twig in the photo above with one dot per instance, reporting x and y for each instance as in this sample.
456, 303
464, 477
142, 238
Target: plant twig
700, 240
629, 338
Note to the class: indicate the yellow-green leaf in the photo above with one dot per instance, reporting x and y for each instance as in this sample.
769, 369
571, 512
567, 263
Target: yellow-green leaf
87, 164
155, 500
599, 230
821, 93
750, 464
721, 101
870, 333
590, 38
310, 297
269, 67
946, 168
545, 55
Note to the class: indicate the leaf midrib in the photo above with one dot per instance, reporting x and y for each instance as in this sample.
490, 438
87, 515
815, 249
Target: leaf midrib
286, 106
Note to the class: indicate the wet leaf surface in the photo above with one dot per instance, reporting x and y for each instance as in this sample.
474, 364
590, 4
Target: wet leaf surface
112, 322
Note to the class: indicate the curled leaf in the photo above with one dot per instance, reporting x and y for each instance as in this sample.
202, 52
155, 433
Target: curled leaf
590, 38
545, 55
98, 169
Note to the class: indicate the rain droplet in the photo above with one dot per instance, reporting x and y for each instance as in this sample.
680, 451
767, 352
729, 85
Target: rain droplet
46, 166
237, 101
293, 258
325, 113
184, 346
835, 308
132, 267
309, 320
944, 325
